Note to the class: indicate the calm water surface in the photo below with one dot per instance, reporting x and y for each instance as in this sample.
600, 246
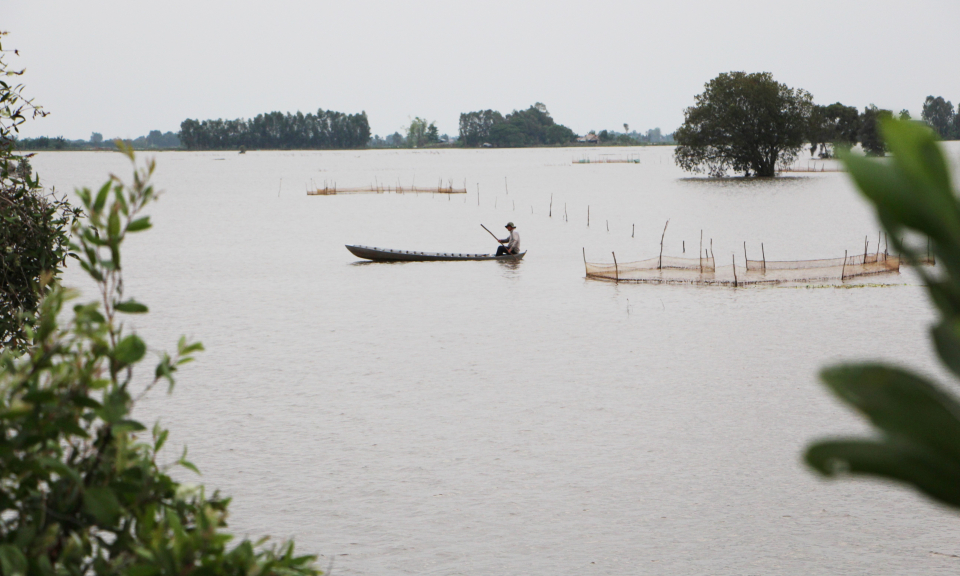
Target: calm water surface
483, 417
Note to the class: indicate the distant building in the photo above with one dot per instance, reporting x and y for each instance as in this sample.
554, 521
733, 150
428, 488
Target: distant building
590, 138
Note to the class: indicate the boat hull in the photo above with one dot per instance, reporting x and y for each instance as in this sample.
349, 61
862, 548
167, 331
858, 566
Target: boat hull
388, 255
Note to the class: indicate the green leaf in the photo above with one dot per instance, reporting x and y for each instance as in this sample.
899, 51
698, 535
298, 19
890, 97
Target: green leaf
60, 468
101, 197
128, 426
914, 190
85, 401
113, 224
194, 347
932, 474
891, 192
946, 338
187, 464
161, 439
39, 397
131, 307
129, 350
72, 428
915, 150
900, 404
101, 503
142, 570
12, 561
139, 224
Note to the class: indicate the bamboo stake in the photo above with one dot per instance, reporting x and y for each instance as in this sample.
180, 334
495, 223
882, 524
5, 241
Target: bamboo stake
608, 225
660, 260
585, 270
633, 230
700, 252
711, 248
844, 267
865, 244
734, 269
551, 205
764, 258
745, 259
565, 218
684, 246
615, 267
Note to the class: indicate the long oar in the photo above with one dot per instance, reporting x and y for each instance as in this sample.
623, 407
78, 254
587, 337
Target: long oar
491, 233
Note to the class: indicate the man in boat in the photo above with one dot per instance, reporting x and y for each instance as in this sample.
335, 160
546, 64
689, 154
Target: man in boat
512, 242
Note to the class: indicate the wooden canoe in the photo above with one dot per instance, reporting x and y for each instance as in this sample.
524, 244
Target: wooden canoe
388, 255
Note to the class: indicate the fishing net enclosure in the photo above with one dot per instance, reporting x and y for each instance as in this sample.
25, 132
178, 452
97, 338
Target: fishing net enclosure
704, 271
382, 188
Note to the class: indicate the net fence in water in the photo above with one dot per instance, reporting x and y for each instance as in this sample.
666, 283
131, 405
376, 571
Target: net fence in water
703, 270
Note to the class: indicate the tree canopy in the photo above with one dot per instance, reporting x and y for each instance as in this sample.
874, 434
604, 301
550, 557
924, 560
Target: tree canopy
939, 114
421, 133
869, 134
747, 123
834, 124
278, 131
531, 127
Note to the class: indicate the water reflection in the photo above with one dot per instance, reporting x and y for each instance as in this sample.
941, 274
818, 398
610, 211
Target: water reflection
510, 268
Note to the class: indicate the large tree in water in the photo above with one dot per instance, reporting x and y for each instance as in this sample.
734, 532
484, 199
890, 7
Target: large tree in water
745, 123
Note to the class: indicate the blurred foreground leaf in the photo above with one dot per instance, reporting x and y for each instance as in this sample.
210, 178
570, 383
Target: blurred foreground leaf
917, 422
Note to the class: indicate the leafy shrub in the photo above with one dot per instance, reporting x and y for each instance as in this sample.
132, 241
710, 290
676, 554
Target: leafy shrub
33, 225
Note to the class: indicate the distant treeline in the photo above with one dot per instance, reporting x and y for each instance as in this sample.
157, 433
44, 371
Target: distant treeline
628, 137
155, 140
840, 125
835, 124
530, 127
278, 131
846, 126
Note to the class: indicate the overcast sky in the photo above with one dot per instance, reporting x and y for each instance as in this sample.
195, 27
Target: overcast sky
125, 68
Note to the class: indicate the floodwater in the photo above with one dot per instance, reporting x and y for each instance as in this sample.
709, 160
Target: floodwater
484, 417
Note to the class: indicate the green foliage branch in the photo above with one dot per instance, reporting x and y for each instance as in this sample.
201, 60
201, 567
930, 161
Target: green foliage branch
917, 422
81, 491
745, 123
34, 226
